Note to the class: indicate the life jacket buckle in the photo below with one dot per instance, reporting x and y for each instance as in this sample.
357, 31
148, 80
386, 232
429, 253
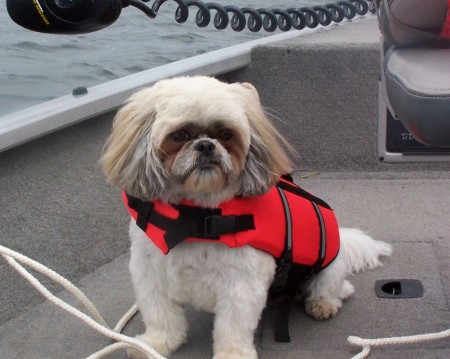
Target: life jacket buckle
214, 226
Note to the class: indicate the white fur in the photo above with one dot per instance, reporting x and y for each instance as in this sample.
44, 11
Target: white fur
325, 292
231, 283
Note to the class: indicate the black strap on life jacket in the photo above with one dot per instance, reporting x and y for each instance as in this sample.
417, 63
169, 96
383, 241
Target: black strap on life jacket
288, 276
291, 277
297, 276
192, 222
291, 187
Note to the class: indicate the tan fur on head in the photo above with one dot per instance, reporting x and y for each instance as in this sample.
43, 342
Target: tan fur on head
147, 155
128, 161
267, 159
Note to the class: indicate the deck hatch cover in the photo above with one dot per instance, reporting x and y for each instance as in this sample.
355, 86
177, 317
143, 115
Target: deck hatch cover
398, 288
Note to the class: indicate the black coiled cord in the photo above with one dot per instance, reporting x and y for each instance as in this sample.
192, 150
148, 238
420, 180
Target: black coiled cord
257, 19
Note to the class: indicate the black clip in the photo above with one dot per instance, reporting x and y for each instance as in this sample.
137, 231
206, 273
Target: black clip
214, 226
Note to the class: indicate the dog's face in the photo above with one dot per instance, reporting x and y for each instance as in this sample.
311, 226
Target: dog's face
194, 138
204, 157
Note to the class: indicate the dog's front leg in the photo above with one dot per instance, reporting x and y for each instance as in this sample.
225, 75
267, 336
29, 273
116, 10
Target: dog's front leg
234, 335
165, 328
164, 319
239, 307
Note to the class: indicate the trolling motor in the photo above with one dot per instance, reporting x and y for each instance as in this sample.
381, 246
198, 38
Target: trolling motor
64, 16
84, 16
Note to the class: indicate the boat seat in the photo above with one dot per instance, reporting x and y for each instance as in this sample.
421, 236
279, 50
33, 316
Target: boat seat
417, 82
415, 71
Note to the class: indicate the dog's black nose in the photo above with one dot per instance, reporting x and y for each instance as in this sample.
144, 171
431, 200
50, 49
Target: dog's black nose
205, 147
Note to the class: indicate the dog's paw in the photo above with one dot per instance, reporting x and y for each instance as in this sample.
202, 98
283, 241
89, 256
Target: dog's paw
323, 308
159, 343
237, 353
136, 354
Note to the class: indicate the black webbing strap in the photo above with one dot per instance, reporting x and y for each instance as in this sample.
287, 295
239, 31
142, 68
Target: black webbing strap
192, 222
291, 276
316, 202
146, 213
288, 276
285, 261
302, 193
204, 223
297, 276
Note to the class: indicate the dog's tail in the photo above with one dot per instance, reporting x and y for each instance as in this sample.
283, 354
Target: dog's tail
361, 251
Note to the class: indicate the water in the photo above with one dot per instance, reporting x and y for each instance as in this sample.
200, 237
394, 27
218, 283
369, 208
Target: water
35, 67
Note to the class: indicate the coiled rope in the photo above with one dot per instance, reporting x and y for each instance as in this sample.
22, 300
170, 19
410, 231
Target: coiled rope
96, 321
257, 19
124, 342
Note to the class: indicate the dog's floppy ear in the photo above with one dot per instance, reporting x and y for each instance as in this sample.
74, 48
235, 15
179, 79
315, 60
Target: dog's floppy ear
266, 159
129, 160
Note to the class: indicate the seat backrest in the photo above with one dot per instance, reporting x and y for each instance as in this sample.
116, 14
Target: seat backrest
406, 23
415, 66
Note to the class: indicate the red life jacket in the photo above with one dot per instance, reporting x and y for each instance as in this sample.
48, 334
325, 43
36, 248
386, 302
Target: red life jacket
287, 222
298, 229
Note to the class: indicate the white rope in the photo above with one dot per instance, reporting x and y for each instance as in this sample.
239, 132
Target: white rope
126, 318
367, 343
111, 349
6, 252
124, 342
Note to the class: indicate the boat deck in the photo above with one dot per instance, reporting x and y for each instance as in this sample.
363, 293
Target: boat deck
405, 209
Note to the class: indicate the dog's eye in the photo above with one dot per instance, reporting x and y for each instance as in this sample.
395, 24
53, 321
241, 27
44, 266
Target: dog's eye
225, 134
180, 136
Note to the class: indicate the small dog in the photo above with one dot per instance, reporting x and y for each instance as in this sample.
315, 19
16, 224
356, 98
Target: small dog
201, 140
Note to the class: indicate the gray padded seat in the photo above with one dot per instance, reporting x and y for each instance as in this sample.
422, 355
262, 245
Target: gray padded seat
416, 67
418, 88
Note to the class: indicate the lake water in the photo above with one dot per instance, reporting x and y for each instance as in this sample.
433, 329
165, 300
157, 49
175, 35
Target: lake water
37, 67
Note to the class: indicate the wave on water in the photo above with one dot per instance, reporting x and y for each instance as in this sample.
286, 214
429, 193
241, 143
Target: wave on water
35, 46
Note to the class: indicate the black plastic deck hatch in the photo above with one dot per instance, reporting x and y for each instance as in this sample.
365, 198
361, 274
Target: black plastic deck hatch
398, 288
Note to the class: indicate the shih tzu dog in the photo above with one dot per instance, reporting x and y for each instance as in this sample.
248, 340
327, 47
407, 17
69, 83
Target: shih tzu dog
185, 147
